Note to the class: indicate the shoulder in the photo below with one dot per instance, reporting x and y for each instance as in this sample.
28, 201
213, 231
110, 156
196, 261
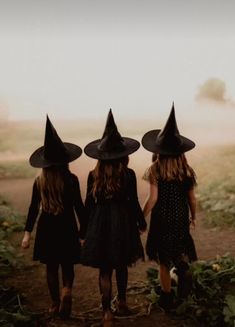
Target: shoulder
190, 182
150, 175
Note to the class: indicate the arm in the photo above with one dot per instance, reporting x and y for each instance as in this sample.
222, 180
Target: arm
192, 205
79, 208
32, 216
142, 225
89, 201
151, 200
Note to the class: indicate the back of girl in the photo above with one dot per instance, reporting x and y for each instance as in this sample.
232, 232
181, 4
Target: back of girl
112, 241
55, 196
171, 197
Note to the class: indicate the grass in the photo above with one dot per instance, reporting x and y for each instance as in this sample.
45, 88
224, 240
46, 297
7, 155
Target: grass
216, 186
12, 313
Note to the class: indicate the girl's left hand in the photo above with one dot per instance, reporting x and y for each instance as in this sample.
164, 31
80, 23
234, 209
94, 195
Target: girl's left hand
26, 240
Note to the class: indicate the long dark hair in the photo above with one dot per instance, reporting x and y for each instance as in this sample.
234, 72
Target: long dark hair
108, 175
51, 185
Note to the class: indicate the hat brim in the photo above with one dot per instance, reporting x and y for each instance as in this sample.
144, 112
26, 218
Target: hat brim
149, 143
38, 160
129, 146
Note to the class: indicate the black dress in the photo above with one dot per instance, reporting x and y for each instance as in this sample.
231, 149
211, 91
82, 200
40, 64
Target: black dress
112, 238
57, 236
169, 240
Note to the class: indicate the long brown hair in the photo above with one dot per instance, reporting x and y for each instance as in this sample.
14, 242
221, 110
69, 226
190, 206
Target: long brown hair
108, 175
172, 167
51, 185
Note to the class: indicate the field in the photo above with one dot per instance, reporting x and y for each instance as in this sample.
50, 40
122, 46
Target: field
214, 234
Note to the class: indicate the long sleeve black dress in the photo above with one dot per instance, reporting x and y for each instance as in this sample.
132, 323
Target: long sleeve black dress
57, 236
112, 238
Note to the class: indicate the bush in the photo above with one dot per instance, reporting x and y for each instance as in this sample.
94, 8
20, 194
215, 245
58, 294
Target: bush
212, 302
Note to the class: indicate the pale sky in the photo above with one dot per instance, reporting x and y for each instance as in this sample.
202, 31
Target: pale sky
79, 58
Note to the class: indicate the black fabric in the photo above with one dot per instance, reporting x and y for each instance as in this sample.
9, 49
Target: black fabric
169, 238
52, 270
112, 236
57, 236
121, 279
53, 282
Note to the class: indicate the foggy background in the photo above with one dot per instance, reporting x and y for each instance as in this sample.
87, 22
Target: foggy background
76, 59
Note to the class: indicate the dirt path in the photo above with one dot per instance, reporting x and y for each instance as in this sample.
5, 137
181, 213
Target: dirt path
31, 281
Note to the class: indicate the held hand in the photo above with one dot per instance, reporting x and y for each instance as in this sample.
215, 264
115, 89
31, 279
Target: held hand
26, 241
141, 231
82, 242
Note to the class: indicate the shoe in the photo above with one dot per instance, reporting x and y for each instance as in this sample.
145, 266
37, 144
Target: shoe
66, 303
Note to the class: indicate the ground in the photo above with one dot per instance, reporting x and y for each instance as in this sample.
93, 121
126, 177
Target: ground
86, 300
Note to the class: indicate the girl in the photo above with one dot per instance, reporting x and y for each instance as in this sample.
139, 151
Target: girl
112, 240
56, 194
172, 183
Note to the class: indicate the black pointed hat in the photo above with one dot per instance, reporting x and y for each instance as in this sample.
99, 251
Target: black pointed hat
54, 151
112, 145
167, 141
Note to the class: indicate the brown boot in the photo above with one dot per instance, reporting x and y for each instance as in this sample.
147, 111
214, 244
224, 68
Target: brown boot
66, 303
108, 318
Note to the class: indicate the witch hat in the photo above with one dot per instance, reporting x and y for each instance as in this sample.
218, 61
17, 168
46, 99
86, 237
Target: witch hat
167, 141
112, 145
54, 151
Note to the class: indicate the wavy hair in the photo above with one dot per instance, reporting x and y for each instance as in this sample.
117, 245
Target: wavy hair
108, 175
51, 185
172, 167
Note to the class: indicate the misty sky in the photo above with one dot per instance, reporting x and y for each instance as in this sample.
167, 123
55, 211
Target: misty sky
79, 58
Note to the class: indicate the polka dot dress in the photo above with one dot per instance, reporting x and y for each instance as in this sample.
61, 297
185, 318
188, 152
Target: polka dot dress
169, 240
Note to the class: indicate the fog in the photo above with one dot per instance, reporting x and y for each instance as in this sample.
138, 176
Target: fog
74, 60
